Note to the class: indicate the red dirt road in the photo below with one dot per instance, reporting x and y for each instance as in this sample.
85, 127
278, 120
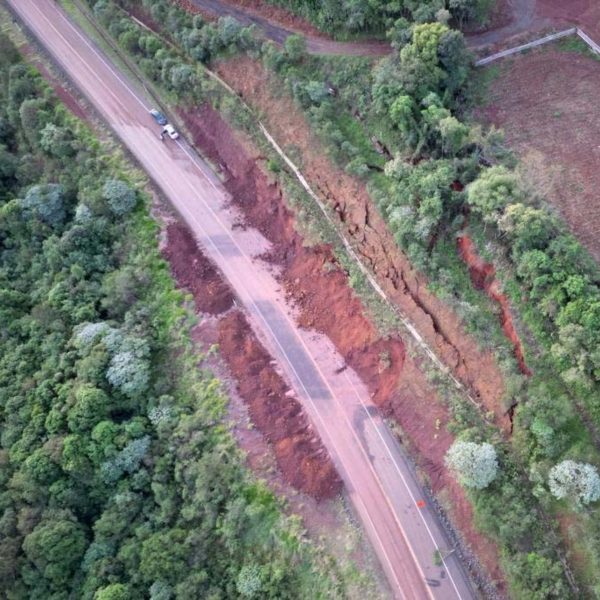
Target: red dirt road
380, 483
519, 16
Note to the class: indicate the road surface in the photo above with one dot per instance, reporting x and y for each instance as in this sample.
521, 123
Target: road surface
404, 532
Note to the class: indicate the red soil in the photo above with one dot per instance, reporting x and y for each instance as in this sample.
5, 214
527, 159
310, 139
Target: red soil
315, 282
584, 13
406, 287
483, 276
311, 275
301, 458
193, 271
298, 449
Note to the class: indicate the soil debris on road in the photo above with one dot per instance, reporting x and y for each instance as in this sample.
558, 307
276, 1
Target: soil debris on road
299, 452
193, 271
300, 455
320, 290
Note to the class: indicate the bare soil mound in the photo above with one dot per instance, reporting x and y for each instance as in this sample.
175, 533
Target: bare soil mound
298, 449
193, 271
302, 459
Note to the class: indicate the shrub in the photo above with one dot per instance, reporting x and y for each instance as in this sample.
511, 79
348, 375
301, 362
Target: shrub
576, 481
475, 464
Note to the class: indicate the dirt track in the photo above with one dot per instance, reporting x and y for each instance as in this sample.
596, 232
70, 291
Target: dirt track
520, 17
379, 480
278, 33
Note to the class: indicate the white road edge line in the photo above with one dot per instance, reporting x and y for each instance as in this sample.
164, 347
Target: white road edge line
194, 159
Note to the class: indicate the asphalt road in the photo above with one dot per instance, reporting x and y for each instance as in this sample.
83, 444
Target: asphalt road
403, 531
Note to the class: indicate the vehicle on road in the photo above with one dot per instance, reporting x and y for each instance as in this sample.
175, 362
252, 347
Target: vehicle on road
158, 117
170, 131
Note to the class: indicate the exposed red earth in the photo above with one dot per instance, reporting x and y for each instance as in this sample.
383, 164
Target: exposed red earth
483, 276
361, 222
379, 481
194, 272
300, 455
319, 288
298, 449
311, 275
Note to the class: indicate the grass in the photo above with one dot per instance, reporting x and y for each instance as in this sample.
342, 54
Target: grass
74, 11
575, 44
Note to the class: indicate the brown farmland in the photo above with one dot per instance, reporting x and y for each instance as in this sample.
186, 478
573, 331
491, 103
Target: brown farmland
547, 104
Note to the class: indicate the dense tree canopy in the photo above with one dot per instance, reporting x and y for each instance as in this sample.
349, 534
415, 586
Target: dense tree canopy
353, 16
117, 478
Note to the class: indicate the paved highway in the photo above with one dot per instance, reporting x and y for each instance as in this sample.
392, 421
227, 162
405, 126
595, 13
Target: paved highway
381, 485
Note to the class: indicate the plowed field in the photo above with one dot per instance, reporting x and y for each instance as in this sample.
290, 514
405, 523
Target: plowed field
547, 104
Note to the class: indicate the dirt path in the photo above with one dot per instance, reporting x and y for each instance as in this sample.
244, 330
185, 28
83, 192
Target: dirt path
381, 484
278, 33
523, 16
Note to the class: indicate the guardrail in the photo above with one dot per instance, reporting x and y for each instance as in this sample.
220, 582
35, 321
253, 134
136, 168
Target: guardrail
540, 42
588, 40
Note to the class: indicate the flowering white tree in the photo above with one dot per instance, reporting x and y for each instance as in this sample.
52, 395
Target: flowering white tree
476, 465
577, 481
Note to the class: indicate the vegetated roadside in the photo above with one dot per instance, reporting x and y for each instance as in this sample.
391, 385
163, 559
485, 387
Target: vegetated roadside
283, 451
118, 477
513, 489
546, 103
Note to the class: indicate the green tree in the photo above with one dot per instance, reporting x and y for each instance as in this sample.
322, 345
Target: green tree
46, 202
92, 405
115, 591
475, 464
121, 198
295, 47
164, 556
578, 482
249, 581
55, 547
538, 577
492, 192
